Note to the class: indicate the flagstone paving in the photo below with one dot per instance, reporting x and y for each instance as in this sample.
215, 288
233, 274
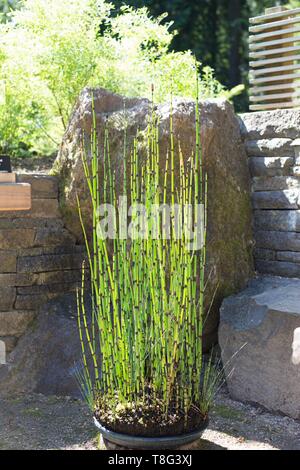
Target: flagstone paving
39, 422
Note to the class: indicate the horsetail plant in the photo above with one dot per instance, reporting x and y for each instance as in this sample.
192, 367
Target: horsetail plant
144, 340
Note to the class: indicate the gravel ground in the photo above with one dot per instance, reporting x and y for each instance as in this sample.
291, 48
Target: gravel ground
39, 422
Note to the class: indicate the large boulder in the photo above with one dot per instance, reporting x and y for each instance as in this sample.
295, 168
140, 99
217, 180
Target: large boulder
229, 208
259, 336
47, 356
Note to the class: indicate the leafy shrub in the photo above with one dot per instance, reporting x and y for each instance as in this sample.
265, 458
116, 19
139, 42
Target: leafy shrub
51, 49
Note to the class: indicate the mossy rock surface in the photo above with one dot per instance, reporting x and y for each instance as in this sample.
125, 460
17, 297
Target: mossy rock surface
230, 241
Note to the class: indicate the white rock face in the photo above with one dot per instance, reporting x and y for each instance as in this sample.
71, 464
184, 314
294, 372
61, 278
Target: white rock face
259, 335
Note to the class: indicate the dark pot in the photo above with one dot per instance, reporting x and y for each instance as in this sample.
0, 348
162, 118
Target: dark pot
151, 443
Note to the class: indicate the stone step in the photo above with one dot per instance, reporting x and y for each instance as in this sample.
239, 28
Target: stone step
20, 222
33, 297
25, 238
48, 237
36, 281
259, 338
279, 241
39, 258
53, 250
278, 268
277, 220
276, 147
12, 238
276, 183
8, 258
45, 263
271, 255
271, 166
291, 256
286, 199
40, 208
42, 186
282, 123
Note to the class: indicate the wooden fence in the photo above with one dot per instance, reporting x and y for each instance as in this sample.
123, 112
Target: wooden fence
274, 50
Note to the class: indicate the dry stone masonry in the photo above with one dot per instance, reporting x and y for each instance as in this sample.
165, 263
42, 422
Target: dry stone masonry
39, 258
273, 148
259, 332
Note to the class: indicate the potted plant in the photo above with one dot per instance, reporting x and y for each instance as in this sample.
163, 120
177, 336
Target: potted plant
149, 386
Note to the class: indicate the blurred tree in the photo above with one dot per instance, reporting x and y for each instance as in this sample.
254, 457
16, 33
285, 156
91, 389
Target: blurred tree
5, 7
215, 30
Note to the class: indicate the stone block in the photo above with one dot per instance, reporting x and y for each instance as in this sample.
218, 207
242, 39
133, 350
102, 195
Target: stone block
47, 354
271, 166
268, 255
15, 323
40, 208
7, 298
47, 289
46, 237
291, 256
16, 238
283, 123
52, 250
278, 268
24, 223
42, 263
276, 183
42, 186
259, 336
33, 297
281, 220
52, 277
281, 241
57, 277
8, 261
276, 147
30, 302
287, 199
8, 280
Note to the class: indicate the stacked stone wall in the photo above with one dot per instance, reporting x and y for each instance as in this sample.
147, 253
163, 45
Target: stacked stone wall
39, 259
273, 148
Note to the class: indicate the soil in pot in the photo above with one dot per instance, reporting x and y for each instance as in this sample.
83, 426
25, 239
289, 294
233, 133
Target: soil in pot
148, 419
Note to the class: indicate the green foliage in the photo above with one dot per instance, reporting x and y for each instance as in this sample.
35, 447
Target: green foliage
51, 49
216, 31
148, 293
6, 6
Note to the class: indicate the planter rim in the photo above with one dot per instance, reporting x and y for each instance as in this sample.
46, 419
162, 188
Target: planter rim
159, 442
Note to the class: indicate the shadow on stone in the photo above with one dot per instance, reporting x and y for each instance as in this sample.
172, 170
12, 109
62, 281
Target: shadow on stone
46, 357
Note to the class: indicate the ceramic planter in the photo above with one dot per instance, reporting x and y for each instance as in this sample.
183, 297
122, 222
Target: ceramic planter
151, 443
